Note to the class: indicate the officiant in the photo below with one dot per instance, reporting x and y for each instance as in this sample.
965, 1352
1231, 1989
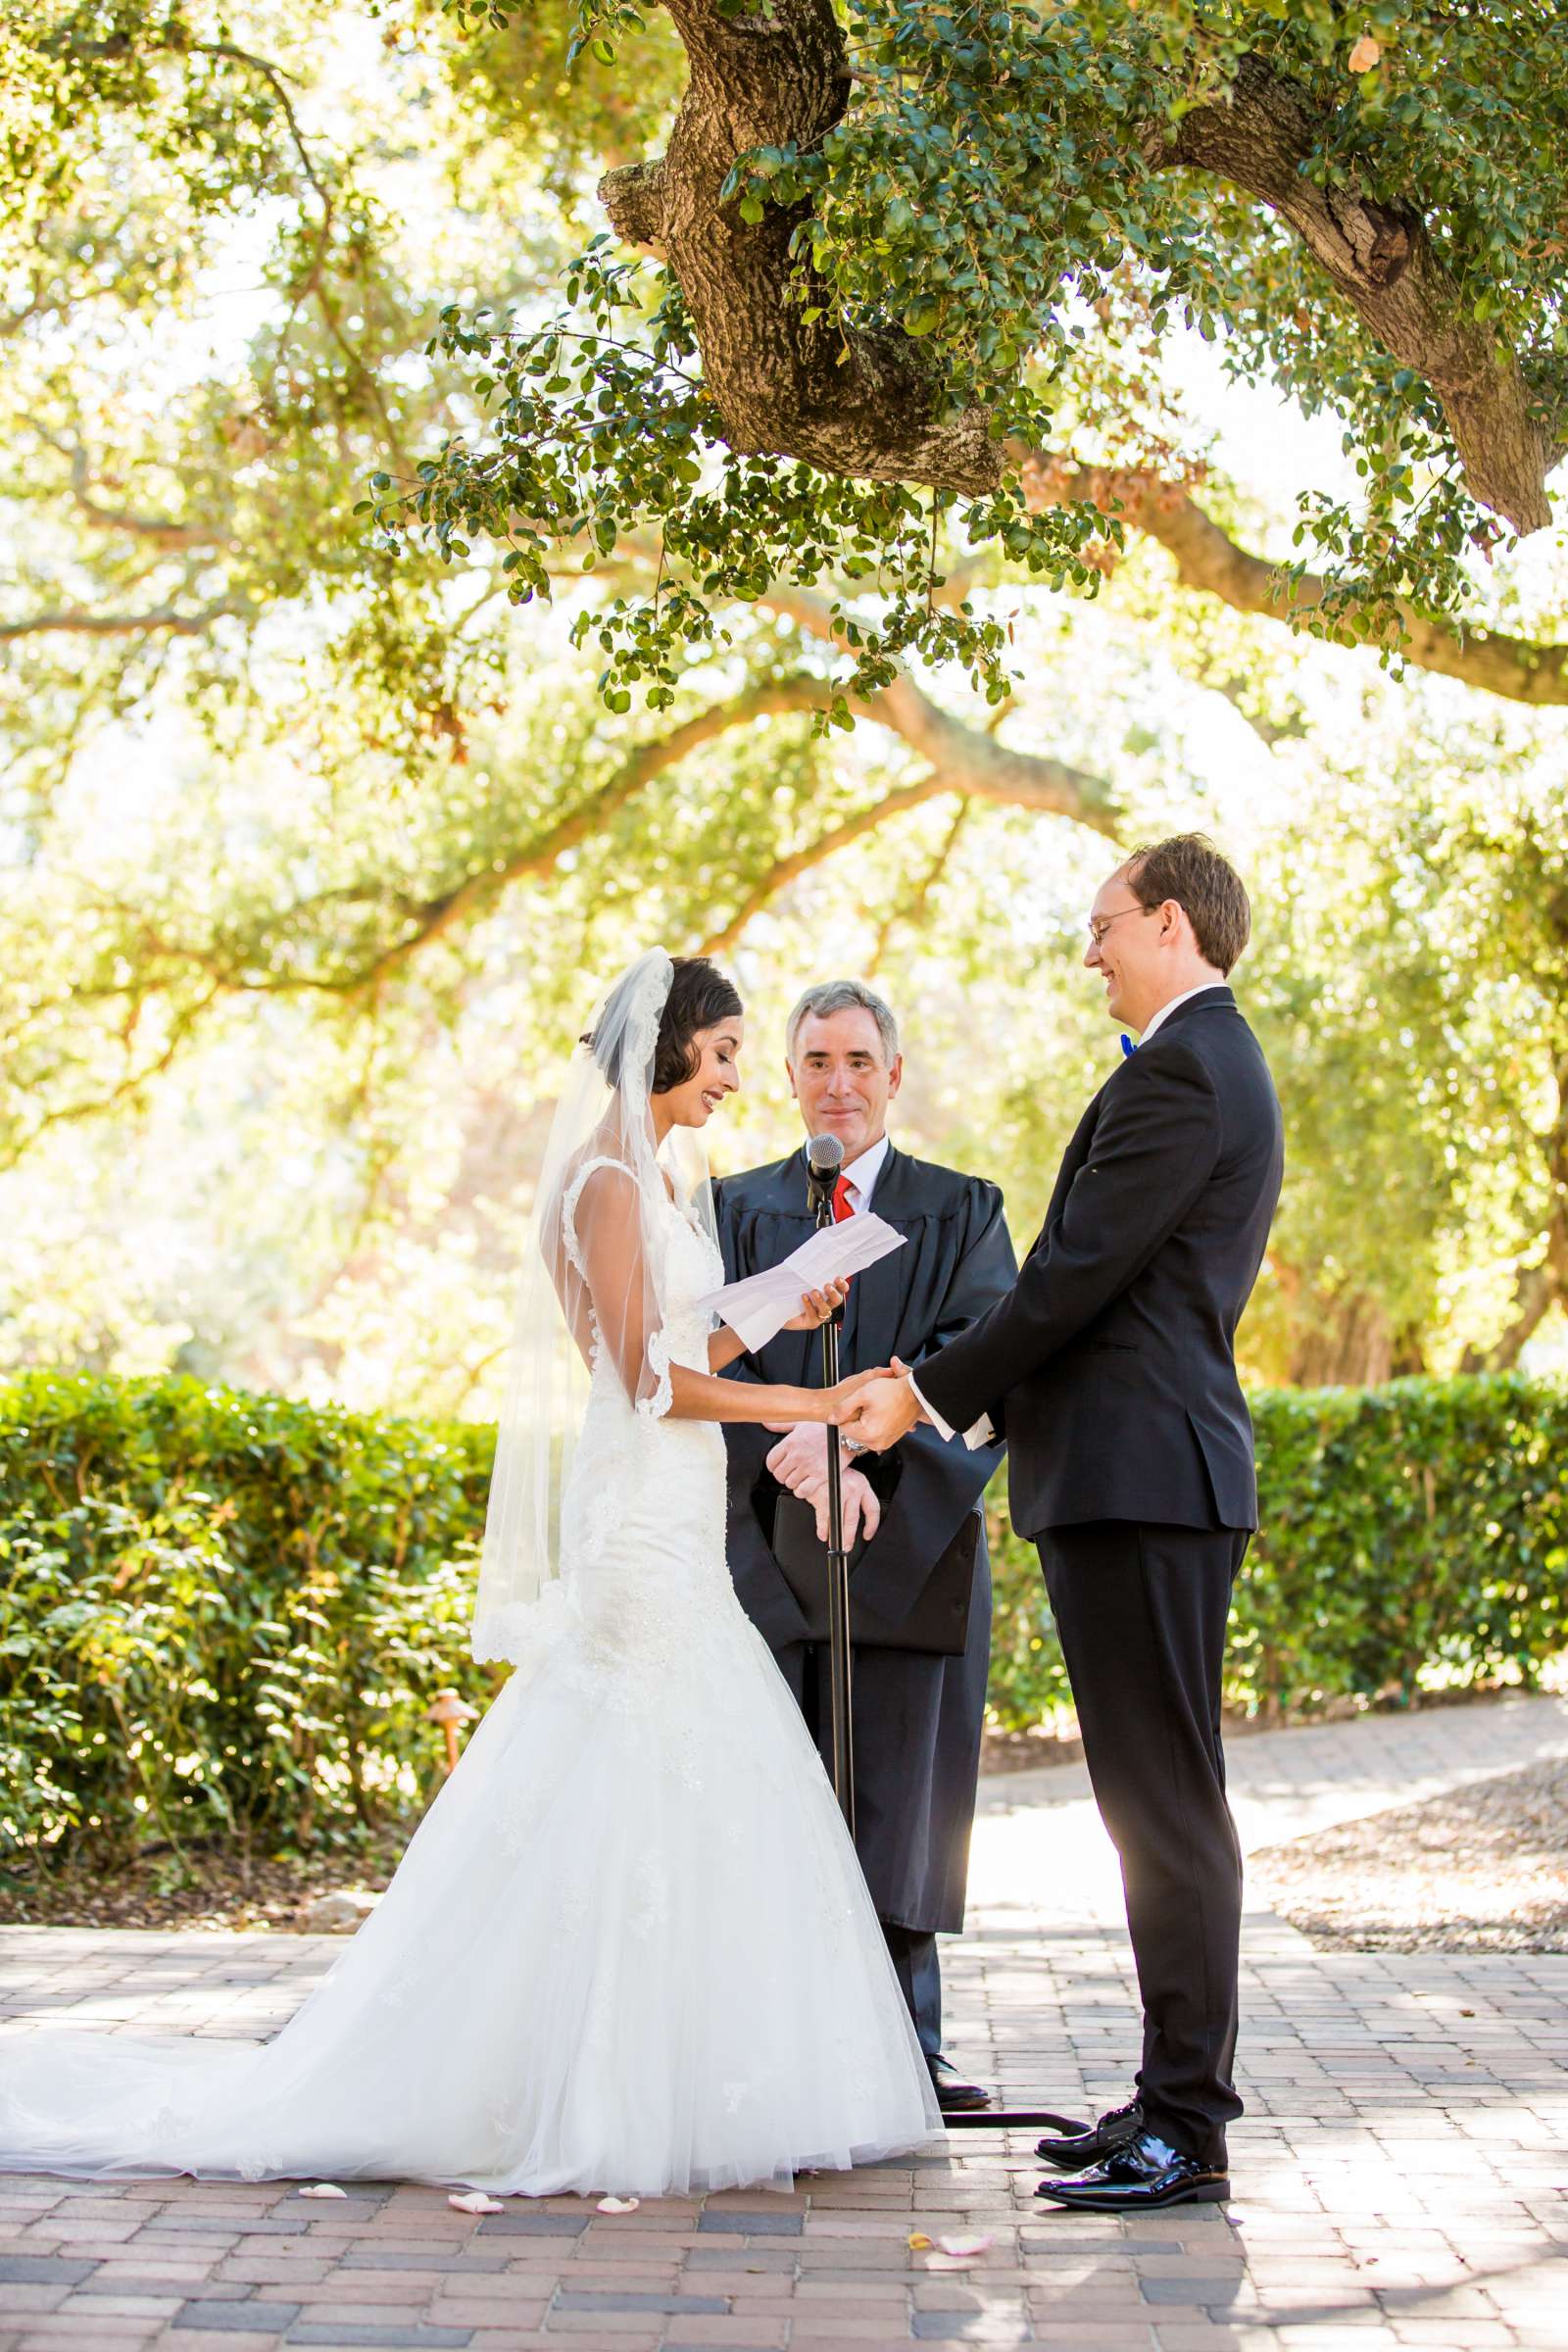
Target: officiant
921, 1578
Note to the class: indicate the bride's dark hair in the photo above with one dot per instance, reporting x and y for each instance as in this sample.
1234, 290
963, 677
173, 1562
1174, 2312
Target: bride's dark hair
701, 996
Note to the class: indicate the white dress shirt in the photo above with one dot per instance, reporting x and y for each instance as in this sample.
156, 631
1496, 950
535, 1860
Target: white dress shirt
981, 1433
1165, 1011
861, 1174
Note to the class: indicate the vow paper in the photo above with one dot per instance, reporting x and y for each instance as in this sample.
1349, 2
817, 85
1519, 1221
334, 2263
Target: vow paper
757, 1308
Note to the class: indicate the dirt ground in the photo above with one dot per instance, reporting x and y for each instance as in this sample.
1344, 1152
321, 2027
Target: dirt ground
205, 1887
1484, 1869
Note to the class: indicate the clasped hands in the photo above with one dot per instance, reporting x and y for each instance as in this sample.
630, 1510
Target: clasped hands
875, 1408
878, 1407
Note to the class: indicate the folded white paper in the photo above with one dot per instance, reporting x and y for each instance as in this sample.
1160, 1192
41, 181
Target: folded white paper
757, 1308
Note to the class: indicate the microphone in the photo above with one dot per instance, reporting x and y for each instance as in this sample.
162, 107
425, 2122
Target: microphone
824, 1157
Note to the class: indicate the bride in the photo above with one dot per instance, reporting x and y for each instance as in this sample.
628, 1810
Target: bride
630, 1947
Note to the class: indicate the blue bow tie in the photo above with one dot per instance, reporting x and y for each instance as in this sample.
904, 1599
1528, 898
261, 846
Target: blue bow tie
1127, 1044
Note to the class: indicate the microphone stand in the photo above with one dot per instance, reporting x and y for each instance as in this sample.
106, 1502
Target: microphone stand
838, 1565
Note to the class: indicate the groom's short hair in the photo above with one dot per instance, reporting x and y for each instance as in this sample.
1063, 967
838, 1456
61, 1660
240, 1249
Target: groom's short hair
1205, 887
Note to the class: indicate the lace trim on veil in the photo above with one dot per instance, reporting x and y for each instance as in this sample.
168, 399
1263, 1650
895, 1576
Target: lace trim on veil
656, 1406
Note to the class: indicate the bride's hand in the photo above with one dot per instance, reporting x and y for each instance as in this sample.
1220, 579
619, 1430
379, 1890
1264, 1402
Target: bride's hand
817, 1305
840, 1402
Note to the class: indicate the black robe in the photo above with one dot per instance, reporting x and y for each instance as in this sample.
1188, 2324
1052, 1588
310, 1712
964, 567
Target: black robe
918, 1719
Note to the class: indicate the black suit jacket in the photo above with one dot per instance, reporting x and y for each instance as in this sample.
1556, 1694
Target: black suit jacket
1110, 1364
957, 1259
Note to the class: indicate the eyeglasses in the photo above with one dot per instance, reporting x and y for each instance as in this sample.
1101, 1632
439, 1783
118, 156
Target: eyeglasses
1097, 929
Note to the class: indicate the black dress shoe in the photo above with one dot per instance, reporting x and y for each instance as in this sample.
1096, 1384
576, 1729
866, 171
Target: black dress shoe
955, 2097
1141, 2174
1114, 2130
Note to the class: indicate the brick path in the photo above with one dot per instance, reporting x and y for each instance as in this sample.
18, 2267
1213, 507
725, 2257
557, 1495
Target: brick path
1399, 2172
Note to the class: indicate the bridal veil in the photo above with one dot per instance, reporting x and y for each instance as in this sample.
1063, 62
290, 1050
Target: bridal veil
589, 1300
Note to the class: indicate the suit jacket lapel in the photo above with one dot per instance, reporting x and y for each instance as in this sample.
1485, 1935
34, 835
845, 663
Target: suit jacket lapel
1073, 1159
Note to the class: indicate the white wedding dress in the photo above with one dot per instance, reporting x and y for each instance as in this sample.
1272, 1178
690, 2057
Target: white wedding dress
630, 1949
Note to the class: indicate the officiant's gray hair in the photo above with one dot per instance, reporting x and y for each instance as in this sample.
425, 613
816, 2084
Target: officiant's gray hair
843, 995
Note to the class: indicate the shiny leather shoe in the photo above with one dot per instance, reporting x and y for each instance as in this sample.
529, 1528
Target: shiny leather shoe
1143, 2175
1071, 2153
954, 2096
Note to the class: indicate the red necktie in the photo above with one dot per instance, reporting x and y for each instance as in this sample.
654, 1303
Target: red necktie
842, 1210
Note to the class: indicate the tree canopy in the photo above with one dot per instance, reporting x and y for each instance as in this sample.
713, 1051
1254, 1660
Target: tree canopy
917, 265
1088, 503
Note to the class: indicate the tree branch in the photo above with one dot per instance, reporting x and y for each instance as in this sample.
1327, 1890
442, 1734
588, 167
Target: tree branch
963, 760
125, 1090
477, 891
72, 619
1542, 1286
160, 530
1208, 561
865, 402
788, 869
853, 401
1538, 1290
313, 281
969, 756
968, 759
634, 197
963, 765
241, 968
910, 909
1380, 259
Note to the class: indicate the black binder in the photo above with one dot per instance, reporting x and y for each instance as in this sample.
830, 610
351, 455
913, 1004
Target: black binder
938, 1619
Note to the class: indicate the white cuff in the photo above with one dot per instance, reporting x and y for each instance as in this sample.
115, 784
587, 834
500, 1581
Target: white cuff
932, 1415
979, 1433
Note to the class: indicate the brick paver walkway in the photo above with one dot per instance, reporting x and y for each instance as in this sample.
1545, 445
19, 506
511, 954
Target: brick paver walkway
1399, 2175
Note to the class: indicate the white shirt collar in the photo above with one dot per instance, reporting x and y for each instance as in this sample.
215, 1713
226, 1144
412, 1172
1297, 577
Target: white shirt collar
1167, 1011
863, 1172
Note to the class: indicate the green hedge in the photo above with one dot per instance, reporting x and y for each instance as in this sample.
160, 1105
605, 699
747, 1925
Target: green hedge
1413, 1535
225, 1614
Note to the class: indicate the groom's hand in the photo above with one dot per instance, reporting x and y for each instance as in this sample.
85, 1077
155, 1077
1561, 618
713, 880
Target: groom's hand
885, 1410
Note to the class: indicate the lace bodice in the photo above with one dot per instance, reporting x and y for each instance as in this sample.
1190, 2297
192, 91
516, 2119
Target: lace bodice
642, 1530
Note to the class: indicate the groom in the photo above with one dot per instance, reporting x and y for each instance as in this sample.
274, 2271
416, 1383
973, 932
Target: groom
1110, 1369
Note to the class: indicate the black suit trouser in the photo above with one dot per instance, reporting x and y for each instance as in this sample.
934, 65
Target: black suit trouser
1141, 1613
